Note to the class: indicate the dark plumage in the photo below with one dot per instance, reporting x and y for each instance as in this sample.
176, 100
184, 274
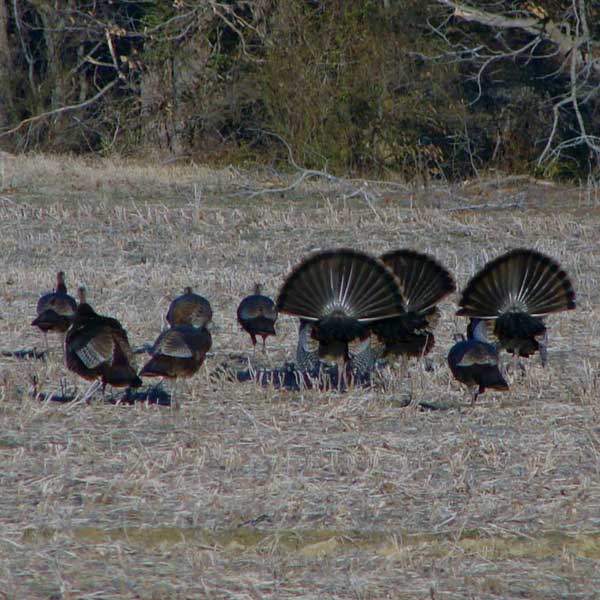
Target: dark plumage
55, 310
97, 347
178, 352
307, 350
475, 363
257, 315
409, 336
337, 294
359, 358
424, 282
189, 309
515, 290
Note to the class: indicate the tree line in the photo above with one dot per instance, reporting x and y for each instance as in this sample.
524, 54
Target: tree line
416, 88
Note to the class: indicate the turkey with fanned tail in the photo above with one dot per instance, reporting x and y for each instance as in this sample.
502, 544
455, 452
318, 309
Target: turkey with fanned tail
516, 290
338, 294
424, 283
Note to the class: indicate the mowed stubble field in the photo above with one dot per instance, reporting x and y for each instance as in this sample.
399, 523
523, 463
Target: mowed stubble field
259, 493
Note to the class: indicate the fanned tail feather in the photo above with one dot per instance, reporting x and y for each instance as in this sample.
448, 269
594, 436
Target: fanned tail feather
521, 280
423, 280
343, 281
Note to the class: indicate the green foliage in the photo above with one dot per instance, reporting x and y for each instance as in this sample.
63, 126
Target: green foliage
342, 88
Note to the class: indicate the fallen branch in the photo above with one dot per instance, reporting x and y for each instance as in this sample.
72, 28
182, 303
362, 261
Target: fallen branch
304, 174
24, 354
488, 206
498, 182
367, 197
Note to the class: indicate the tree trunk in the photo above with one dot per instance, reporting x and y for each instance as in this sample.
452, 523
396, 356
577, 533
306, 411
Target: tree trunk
54, 37
5, 66
153, 104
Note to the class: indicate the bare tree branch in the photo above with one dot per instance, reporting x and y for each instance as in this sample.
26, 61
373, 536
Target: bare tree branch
470, 13
582, 128
556, 110
61, 109
545, 29
572, 40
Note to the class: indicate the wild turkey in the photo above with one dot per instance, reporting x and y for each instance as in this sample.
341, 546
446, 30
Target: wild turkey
515, 290
307, 349
257, 315
189, 309
97, 347
178, 352
55, 310
424, 282
475, 363
337, 294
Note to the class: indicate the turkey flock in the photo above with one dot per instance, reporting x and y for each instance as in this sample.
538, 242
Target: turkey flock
356, 313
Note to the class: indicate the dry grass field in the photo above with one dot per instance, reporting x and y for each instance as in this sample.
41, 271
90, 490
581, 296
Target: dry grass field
249, 492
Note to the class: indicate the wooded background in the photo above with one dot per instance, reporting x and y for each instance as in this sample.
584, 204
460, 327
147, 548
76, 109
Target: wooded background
410, 88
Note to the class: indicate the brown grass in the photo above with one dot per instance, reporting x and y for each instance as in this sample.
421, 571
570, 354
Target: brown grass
256, 493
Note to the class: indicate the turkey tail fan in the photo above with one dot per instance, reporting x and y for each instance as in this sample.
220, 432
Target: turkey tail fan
341, 281
423, 280
521, 280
